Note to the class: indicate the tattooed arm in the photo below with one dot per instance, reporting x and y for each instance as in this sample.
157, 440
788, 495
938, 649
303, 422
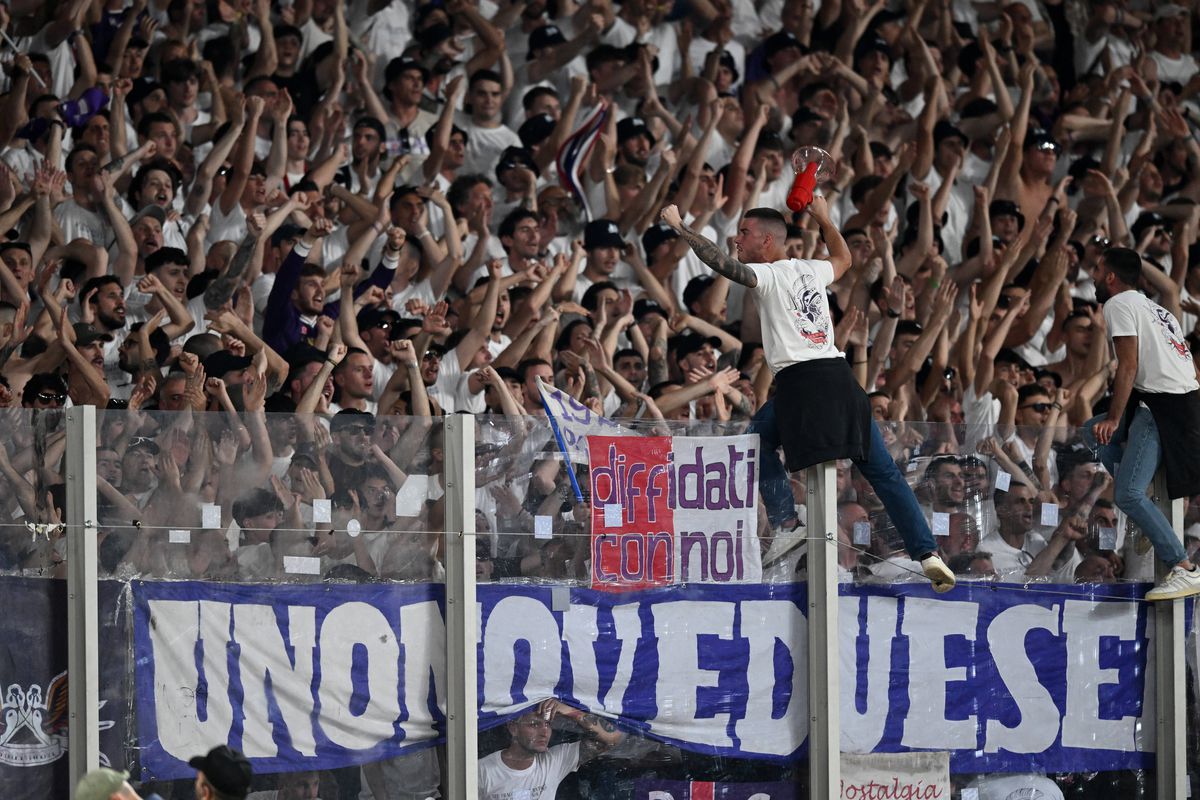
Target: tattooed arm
599, 734
709, 252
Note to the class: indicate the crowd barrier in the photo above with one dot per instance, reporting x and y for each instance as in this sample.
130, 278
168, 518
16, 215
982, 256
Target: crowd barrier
377, 628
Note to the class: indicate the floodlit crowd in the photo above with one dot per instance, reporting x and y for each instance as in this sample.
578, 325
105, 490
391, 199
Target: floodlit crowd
276, 242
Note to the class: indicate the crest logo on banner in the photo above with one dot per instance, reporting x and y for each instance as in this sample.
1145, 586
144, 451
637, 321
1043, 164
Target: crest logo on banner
34, 730
680, 509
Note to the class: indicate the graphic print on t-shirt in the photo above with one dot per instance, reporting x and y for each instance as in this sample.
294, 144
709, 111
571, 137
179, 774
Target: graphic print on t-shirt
1171, 332
807, 314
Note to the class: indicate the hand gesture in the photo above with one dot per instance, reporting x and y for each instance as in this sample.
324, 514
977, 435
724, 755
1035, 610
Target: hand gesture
670, 215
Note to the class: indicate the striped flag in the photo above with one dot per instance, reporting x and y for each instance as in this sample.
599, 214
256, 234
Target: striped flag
574, 153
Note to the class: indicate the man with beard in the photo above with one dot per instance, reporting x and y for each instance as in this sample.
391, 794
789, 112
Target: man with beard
529, 766
835, 421
349, 458
1154, 414
102, 302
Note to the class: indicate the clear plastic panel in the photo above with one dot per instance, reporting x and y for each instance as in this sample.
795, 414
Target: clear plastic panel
285, 575
1032, 673
630, 633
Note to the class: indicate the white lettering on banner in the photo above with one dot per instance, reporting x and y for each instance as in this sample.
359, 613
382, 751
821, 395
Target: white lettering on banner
1084, 625
927, 624
765, 623
678, 626
581, 632
718, 670
862, 728
263, 653
536, 626
1038, 727
345, 629
423, 642
177, 628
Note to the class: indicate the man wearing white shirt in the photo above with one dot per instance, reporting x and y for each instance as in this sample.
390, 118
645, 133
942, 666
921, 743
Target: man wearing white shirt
487, 135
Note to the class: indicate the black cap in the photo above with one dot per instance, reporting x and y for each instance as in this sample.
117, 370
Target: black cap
690, 343
780, 41
872, 44
726, 60
1041, 140
656, 234
631, 127
513, 157
805, 114
536, 129
227, 770
1006, 208
222, 362
350, 416
433, 35
602, 233
945, 129
374, 317
300, 355
543, 37
645, 306
86, 333
1009, 356
398, 66
1147, 219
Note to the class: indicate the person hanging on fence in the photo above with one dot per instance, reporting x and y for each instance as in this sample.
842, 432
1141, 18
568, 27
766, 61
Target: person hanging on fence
1154, 415
823, 413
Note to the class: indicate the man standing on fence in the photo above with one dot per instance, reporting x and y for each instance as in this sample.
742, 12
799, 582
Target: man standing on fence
1154, 415
823, 413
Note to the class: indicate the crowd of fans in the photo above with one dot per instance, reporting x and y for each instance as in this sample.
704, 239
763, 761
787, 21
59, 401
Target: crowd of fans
328, 224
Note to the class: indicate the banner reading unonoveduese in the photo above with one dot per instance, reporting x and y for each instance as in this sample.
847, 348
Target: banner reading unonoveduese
321, 676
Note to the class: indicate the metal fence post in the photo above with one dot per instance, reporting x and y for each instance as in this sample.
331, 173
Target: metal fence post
824, 726
1170, 719
83, 662
462, 713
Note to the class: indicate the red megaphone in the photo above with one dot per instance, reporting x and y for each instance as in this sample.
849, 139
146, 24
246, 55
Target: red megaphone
802, 188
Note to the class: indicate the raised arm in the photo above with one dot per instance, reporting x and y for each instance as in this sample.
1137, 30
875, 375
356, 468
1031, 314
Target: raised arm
710, 253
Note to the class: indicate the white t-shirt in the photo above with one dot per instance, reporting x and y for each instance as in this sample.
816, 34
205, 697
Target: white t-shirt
796, 324
1010, 562
484, 146
497, 781
1164, 361
79, 223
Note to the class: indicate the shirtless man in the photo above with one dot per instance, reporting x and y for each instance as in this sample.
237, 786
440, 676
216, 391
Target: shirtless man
1025, 176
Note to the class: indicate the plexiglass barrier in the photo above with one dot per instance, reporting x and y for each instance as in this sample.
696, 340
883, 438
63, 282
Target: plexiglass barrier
275, 583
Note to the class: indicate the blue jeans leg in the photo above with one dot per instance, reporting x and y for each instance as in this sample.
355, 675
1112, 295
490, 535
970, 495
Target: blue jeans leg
773, 482
884, 476
1139, 462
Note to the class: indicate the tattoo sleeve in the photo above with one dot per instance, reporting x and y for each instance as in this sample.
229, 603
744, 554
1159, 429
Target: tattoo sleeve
222, 288
711, 254
116, 165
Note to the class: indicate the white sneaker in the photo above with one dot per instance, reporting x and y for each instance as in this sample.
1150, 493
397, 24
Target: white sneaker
943, 579
1179, 583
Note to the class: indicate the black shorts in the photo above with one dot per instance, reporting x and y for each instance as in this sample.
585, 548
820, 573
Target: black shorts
822, 413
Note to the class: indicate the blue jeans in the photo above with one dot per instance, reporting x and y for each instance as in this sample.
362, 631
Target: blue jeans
1133, 459
879, 469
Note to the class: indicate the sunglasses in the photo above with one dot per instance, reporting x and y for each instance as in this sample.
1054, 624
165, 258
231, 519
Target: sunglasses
51, 397
431, 356
1100, 241
1041, 408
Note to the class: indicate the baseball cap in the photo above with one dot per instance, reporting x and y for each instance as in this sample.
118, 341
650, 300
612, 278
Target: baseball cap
727, 61
780, 41
227, 770
1147, 219
151, 210
944, 130
398, 66
350, 416
1042, 140
656, 234
373, 317
631, 127
602, 233
222, 362
545, 36
100, 784
300, 355
1006, 208
513, 157
536, 129
872, 44
645, 306
690, 343
87, 333
1009, 356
